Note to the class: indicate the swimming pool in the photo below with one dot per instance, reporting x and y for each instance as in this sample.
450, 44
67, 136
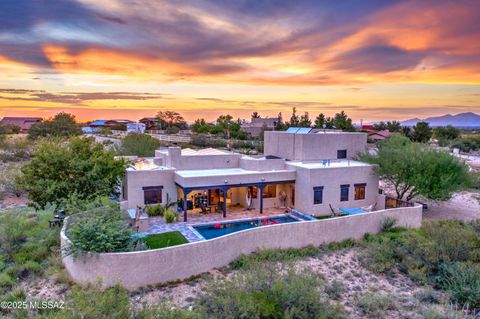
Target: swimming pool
210, 231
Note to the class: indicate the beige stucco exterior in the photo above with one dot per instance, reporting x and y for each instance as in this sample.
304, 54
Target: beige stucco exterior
304, 161
314, 146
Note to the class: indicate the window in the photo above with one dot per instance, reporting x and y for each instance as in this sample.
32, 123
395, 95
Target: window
270, 191
317, 195
344, 192
359, 191
341, 154
152, 194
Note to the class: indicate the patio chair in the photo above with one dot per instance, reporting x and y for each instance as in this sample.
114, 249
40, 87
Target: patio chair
205, 209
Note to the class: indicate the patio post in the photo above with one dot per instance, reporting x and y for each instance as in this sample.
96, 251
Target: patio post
261, 187
224, 190
185, 193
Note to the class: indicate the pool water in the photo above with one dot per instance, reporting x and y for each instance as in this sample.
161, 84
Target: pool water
220, 229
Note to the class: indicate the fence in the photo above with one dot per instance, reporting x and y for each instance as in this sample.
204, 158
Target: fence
150, 267
391, 202
173, 138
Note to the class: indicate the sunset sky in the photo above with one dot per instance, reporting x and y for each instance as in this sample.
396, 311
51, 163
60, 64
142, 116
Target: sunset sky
112, 59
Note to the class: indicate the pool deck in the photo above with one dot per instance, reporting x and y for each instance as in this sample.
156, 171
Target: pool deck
158, 225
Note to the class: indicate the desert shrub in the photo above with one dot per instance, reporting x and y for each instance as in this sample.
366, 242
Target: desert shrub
169, 216
375, 305
388, 224
273, 255
6, 282
267, 293
10, 178
380, 256
93, 302
423, 251
99, 230
430, 295
164, 311
155, 210
462, 280
335, 289
445, 254
74, 203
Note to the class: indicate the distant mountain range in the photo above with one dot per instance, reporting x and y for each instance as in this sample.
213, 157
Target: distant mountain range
468, 119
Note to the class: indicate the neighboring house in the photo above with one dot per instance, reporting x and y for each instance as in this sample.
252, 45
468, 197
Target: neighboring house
379, 135
136, 127
23, 122
151, 123
255, 127
309, 170
108, 123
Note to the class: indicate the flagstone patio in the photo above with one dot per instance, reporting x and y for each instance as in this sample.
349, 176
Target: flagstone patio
158, 225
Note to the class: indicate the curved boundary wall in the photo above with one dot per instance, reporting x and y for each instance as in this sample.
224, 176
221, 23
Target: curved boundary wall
150, 267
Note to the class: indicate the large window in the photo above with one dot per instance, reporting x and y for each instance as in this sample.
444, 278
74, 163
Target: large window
317, 195
341, 154
344, 192
359, 193
269, 191
152, 194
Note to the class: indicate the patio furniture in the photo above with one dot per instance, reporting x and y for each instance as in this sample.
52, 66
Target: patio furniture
55, 222
58, 219
219, 207
205, 209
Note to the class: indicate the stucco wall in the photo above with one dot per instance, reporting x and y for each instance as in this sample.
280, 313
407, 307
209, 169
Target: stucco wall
138, 269
313, 146
331, 179
136, 180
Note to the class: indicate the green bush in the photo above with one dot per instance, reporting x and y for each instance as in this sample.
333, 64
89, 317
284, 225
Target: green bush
164, 311
375, 305
445, 254
155, 210
335, 289
6, 282
267, 292
93, 302
380, 256
169, 216
388, 224
462, 280
26, 242
99, 230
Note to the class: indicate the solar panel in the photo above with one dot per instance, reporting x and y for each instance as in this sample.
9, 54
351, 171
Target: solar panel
304, 130
292, 129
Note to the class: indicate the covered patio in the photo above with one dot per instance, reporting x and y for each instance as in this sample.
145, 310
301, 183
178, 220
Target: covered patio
208, 195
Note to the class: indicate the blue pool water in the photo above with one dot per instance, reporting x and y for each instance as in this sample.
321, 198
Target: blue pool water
220, 229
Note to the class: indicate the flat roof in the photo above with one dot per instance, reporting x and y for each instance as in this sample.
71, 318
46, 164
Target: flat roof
328, 164
144, 164
221, 172
204, 151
